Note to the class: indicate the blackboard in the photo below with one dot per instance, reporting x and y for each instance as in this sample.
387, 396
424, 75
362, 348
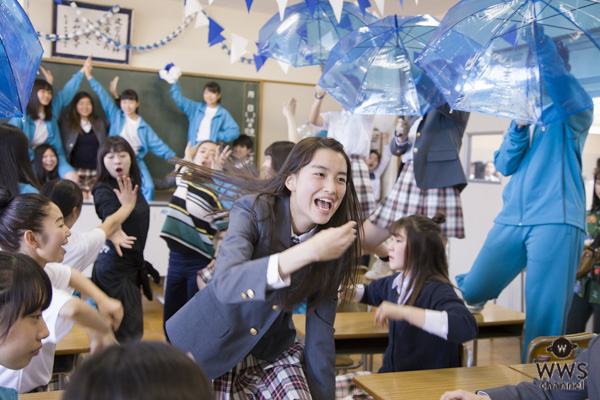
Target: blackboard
240, 97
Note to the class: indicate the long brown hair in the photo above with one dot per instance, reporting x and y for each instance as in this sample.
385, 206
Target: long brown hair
321, 279
425, 254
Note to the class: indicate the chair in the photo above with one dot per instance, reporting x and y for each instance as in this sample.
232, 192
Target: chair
466, 355
537, 349
344, 362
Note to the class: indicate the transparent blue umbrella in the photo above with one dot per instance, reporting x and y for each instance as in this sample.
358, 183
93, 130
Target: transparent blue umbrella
20, 56
372, 70
305, 36
534, 61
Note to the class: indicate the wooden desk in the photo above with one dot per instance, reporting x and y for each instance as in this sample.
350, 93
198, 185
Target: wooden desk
497, 321
355, 333
76, 342
55, 395
531, 371
431, 384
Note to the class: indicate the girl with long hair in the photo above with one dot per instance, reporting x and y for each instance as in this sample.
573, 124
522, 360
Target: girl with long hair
292, 238
82, 131
17, 173
45, 163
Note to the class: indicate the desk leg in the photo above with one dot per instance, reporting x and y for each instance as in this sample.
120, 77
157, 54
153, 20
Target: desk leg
474, 352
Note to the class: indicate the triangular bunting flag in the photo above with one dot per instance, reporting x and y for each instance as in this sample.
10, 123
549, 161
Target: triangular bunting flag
259, 61
249, 4
345, 23
337, 6
401, 4
285, 67
281, 4
210, 2
380, 5
238, 47
216, 40
191, 7
214, 31
311, 4
364, 4
201, 19
511, 35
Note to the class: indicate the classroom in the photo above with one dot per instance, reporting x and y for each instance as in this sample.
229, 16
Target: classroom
176, 35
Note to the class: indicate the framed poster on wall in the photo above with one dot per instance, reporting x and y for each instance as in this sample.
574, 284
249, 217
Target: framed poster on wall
83, 42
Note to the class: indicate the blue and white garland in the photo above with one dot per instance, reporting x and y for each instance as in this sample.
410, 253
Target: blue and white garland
94, 27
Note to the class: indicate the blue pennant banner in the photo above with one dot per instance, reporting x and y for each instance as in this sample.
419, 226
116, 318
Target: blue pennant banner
249, 4
214, 32
311, 4
259, 61
364, 4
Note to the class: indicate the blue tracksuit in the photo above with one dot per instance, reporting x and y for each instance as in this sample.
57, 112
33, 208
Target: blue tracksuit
222, 127
149, 138
59, 101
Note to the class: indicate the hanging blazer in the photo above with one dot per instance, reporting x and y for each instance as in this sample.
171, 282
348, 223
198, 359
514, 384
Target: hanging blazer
436, 153
236, 315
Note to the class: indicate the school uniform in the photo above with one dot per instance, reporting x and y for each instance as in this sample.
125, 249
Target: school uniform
432, 177
237, 317
222, 126
25, 188
148, 139
59, 101
411, 348
542, 223
532, 390
121, 277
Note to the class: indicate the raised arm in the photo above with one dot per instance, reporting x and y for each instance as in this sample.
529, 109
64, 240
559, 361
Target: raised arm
516, 142
186, 105
289, 112
106, 101
314, 116
64, 97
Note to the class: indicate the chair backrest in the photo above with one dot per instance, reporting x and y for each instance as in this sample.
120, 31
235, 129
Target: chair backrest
466, 355
538, 349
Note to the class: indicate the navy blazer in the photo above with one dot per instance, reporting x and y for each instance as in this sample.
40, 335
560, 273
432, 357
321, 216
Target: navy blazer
69, 137
436, 157
236, 315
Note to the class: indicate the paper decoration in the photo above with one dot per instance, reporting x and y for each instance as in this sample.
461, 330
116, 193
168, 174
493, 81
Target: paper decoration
201, 19
259, 61
282, 4
191, 7
249, 4
311, 4
363, 4
284, 66
380, 5
214, 32
337, 6
238, 47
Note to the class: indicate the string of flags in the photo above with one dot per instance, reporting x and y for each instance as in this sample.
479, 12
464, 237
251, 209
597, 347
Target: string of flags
193, 10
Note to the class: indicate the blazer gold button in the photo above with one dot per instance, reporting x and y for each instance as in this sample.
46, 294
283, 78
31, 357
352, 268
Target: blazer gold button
275, 307
250, 293
253, 332
244, 296
71, 145
415, 150
418, 134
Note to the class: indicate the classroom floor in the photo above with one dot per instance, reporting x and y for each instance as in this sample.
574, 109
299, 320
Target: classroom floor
490, 351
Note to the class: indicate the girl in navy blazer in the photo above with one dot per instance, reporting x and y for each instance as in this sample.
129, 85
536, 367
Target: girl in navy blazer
239, 328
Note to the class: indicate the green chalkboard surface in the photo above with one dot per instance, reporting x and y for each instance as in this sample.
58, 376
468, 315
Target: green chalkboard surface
240, 97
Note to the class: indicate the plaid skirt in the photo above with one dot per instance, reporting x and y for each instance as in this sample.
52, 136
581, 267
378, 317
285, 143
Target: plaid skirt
346, 389
362, 185
407, 199
253, 379
87, 178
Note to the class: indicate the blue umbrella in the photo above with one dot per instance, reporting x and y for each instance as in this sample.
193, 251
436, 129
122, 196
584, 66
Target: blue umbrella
372, 70
511, 58
20, 56
305, 36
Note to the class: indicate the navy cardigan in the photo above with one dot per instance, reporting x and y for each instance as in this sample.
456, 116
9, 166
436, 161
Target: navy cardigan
411, 348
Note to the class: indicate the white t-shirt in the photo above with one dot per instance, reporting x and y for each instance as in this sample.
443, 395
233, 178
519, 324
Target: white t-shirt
39, 371
204, 129
130, 133
354, 132
83, 248
40, 136
59, 274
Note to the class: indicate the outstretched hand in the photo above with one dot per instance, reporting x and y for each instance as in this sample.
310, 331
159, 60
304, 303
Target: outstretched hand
112, 87
47, 75
121, 240
220, 157
289, 108
87, 67
190, 151
462, 395
126, 193
332, 243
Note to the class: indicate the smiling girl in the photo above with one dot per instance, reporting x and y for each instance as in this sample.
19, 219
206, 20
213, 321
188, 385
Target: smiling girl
45, 163
119, 276
25, 291
30, 224
43, 109
239, 327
